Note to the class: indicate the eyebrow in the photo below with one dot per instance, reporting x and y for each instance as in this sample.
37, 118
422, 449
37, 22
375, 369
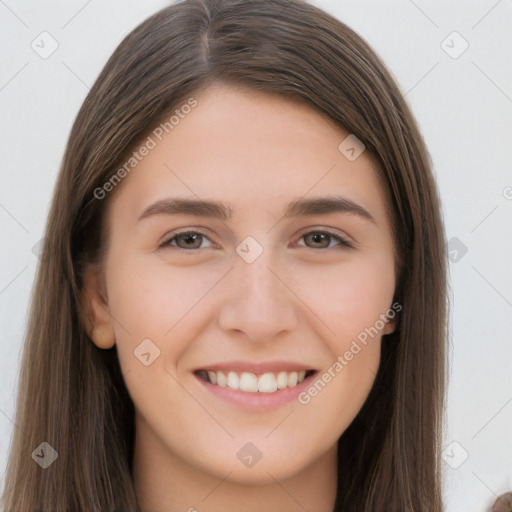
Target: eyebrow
222, 211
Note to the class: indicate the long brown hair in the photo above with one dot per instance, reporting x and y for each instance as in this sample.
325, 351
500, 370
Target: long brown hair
72, 394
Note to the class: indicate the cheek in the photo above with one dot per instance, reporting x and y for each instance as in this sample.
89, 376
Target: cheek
156, 311
350, 298
351, 303
151, 300
332, 401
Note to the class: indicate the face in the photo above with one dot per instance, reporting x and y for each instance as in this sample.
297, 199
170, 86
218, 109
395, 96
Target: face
249, 329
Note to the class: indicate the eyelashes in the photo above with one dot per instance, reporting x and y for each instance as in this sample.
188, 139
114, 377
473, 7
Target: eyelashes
194, 240
329, 236
185, 235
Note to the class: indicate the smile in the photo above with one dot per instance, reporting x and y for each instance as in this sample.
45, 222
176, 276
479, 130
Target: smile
269, 382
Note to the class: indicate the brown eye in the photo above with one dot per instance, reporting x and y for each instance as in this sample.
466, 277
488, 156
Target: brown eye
321, 240
186, 240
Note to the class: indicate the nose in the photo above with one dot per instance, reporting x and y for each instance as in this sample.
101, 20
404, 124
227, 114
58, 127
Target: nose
258, 301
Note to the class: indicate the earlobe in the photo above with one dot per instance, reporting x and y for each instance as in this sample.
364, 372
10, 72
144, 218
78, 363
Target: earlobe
103, 336
95, 315
389, 327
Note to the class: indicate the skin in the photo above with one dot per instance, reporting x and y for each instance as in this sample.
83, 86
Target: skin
298, 301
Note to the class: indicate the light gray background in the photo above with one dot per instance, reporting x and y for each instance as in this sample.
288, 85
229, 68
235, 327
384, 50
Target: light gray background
464, 108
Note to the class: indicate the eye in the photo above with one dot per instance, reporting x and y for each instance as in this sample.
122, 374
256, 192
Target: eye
322, 239
185, 240
191, 240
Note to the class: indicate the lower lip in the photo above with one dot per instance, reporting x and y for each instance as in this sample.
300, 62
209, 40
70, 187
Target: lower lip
257, 400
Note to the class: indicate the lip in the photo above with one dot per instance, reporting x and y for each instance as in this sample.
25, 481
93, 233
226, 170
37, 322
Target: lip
257, 368
257, 402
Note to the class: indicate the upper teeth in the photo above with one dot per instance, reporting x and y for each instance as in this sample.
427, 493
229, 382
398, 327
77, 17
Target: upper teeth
250, 382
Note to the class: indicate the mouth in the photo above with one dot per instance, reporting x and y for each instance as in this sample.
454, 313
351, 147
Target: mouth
248, 382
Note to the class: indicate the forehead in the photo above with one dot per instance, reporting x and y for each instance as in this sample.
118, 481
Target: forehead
251, 149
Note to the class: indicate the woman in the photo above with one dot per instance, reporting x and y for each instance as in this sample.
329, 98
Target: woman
259, 368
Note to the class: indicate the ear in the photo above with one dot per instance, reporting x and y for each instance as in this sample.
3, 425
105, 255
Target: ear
95, 313
389, 327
